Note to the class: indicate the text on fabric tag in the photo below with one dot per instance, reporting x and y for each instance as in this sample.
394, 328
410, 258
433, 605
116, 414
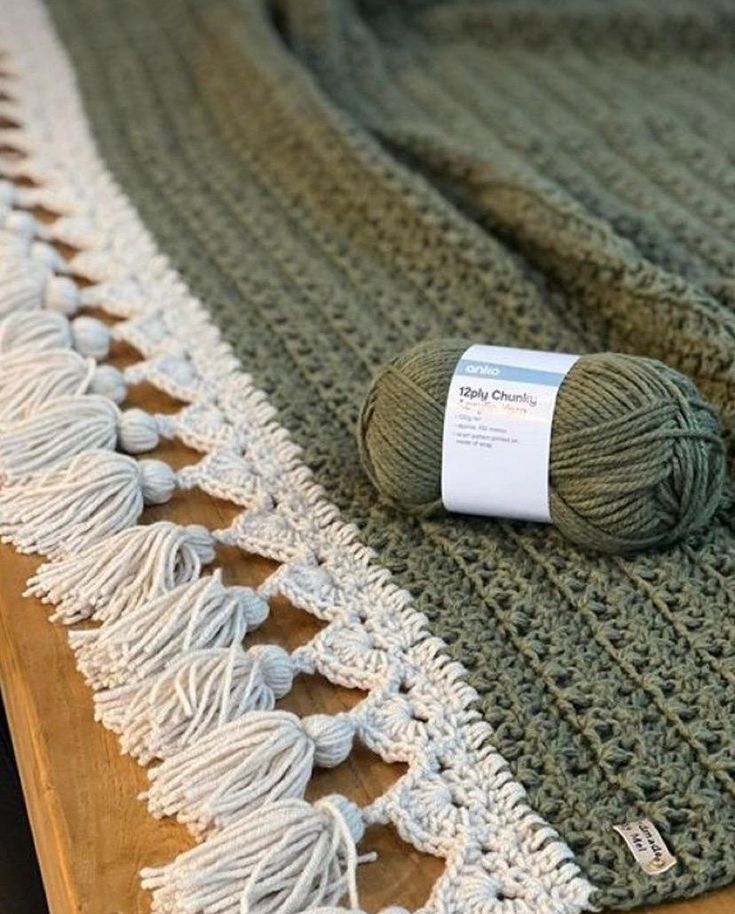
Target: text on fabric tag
647, 846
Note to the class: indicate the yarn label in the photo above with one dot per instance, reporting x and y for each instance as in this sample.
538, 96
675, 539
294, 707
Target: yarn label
647, 846
497, 431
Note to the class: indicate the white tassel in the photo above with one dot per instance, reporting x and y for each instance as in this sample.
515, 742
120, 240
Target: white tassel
39, 331
253, 760
19, 221
196, 615
13, 247
27, 381
16, 249
8, 194
28, 284
83, 501
281, 859
68, 426
130, 568
198, 691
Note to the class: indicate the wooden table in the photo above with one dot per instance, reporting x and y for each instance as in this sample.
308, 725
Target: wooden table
91, 833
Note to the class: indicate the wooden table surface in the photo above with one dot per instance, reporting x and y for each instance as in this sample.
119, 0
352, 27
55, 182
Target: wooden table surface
91, 832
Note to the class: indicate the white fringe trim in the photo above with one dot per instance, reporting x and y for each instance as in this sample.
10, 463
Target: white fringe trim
202, 703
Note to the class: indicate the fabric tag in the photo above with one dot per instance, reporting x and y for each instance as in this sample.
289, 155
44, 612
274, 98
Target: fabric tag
647, 846
497, 431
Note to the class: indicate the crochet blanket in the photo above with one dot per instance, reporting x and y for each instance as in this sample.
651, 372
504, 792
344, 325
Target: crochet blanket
274, 198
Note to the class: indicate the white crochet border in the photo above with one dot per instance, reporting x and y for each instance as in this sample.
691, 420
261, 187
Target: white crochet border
458, 799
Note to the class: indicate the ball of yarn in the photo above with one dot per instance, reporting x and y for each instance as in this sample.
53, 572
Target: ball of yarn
637, 458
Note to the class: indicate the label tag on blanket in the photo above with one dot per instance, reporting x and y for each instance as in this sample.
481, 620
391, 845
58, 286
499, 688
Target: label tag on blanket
497, 431
647, 846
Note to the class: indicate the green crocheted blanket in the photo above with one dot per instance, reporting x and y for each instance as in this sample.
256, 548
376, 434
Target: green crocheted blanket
332, 181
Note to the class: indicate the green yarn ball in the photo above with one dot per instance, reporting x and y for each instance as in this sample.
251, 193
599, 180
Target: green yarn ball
637, 458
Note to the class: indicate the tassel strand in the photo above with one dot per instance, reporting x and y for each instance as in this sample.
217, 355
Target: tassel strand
250, 761
283, 858
198, 691
44, 330
28, 382
67, 426
82, 502
113, 577
194, 616
28, 284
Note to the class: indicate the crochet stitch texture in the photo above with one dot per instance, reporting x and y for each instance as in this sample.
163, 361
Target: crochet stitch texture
339, 180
